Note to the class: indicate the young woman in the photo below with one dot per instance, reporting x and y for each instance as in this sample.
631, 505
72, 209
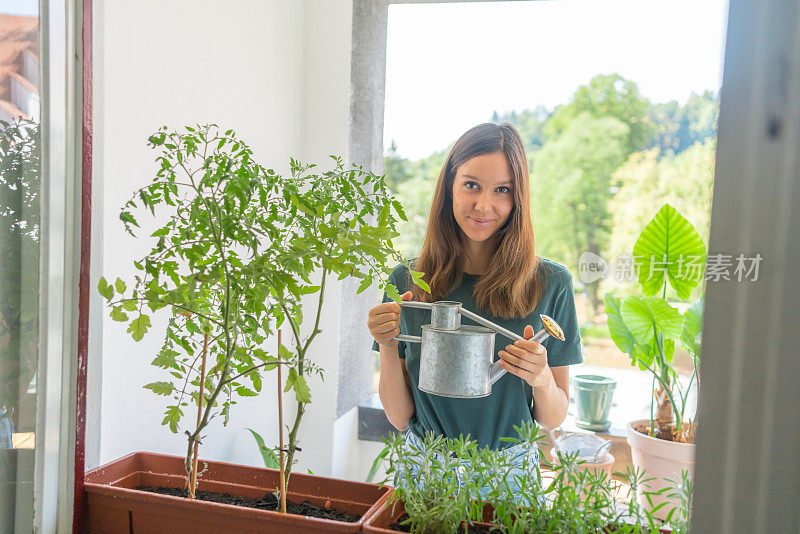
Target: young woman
479, 250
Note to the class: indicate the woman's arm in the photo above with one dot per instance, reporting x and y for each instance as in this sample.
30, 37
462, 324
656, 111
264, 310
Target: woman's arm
550, 402
393, 388
528, 360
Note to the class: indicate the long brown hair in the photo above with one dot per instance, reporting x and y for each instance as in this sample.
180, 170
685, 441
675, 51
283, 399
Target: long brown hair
512, 285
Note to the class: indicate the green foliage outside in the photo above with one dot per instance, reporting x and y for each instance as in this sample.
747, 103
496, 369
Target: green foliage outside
572, 190
20, 164
602, 164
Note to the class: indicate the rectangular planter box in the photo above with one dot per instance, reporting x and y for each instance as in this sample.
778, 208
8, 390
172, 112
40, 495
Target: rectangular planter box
389, 512
113, 506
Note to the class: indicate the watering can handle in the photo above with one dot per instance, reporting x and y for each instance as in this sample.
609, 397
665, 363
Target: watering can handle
413, 304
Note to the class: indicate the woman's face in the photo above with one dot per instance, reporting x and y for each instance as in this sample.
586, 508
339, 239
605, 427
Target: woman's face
482, 195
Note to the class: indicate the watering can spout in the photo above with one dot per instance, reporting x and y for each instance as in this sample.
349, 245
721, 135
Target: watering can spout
551, 328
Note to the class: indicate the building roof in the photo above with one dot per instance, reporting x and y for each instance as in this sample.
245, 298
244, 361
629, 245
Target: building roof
17, 35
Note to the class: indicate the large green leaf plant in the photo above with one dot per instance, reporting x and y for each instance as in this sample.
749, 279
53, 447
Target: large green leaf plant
648, 328
232, 262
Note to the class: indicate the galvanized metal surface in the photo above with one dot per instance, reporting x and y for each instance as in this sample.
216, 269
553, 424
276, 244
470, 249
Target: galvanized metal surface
456, 361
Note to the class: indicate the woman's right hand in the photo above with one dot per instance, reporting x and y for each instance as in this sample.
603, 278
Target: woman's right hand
384, 321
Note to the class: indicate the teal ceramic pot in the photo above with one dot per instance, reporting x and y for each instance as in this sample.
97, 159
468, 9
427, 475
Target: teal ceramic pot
593, 396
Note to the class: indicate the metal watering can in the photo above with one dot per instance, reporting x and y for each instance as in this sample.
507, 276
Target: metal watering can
457, 360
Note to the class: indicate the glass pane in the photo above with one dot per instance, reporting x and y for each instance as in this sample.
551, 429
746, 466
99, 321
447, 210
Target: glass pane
19, 259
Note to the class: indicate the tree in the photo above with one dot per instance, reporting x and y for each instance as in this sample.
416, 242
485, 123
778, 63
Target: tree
604, 96
20, 158
529, 123
395, 168
680, 127
415, 182
698, 120
572, 188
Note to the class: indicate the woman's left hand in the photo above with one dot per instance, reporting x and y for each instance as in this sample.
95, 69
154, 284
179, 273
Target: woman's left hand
528, 360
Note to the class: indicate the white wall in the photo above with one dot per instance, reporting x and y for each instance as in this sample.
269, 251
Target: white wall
277, 72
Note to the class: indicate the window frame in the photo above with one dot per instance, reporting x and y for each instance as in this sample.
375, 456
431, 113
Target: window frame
762, 63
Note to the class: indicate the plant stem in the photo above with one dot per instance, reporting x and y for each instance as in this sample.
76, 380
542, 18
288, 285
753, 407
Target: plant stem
652, 397
688, 387
280, 434
301, 407
666, 389
250, 370
201, 394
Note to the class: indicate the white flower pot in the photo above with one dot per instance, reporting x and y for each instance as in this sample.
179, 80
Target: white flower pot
660, 459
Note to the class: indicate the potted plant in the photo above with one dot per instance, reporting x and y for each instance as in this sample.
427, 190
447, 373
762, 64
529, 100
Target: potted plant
668, 252
231, 263
451, 486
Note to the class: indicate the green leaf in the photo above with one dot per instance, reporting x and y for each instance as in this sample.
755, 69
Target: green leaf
173, 417
383, 215
392, 292
120, 285
620, 333
692, 328
138, 327
417, 277
284, 353
165, 358
670, 244
308, 290
118, 315
128, 218
267, 455
129, 304
365, 283
301, 390
161, 388
294, 381
399, 209
245, 392
377, 463
256, 379
105, 290
640, 314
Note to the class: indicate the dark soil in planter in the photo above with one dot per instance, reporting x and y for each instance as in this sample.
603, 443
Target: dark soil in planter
644, 428
475, 529
269, 502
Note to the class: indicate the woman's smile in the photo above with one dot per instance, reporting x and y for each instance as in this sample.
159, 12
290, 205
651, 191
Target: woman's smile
481, 223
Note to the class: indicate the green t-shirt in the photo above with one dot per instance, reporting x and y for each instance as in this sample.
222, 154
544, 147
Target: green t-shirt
487, 419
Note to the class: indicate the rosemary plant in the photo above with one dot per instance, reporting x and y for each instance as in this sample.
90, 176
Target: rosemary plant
450, 485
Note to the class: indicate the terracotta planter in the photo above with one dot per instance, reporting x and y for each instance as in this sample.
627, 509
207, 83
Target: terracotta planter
661, 459
389, 512
113, 506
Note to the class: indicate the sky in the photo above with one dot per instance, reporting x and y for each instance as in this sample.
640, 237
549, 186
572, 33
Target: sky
28, 8
449, 66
